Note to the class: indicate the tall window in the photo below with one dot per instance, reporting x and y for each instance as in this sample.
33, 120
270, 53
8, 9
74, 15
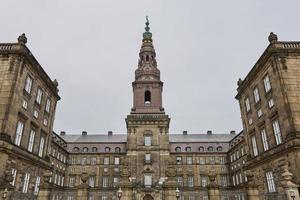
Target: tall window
71, 181
37, 185
202, 161
41, 148
256, 95
203, 181
189, 160
104, 181
147, 157
93, 161
92, 181
254, 146
190, 181
277, 132
48, 105
147, 97
270, 182
19, 132
147, 180
223, 180
31, 140
14, 175
178, 160
106, 160
180, 181
39, 96
147, 140
28, 84
115, 181
117, 160
271, 103
26, 183
267, 83
264, 139
247, 104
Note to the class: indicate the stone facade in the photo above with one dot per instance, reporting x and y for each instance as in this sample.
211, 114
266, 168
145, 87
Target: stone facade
148, 162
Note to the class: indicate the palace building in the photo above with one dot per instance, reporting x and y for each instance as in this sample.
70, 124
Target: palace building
148, 162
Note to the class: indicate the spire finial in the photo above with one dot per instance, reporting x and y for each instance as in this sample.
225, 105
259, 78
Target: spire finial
147, 34
147, 28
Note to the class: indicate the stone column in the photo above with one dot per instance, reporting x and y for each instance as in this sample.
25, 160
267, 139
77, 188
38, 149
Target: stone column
45, 187
83, 188
213, 188
251, 187
291, 189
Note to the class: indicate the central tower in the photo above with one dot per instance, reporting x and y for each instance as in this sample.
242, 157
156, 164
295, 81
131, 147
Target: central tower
147, 125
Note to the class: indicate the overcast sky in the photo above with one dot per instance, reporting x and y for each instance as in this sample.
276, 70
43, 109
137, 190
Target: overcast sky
203, 47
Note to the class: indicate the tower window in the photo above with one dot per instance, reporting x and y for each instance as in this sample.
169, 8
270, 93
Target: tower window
147, 97
147, 57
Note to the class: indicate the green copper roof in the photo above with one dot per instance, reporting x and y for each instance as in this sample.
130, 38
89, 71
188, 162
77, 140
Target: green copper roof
147, 34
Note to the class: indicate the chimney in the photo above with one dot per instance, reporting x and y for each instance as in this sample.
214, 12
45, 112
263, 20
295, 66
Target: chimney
209, 132
232, 132
62, 133
184, 132
84, 133
110, 133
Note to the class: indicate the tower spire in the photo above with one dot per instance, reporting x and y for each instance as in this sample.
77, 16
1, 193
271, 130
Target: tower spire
147, 35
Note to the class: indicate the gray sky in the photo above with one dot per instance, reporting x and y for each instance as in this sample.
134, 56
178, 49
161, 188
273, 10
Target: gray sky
202, 48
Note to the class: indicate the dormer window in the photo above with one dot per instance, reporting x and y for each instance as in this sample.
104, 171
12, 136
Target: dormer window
147, 97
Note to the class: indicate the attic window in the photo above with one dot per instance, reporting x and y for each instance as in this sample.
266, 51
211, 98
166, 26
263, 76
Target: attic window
107, 149
210, 148
188, 149
178, 149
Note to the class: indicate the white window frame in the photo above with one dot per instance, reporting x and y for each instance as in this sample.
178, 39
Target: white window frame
106, 161
267, 83
277, 132
92, 181
14, 176
264, 139
117, 160
39, 96
254, 146
270, 181
24, 104
190, 181
19, 132
189, 160
37, 185
271, 103
147, 157
31, 140
41, 147
105, 181
147, 180
256, 95
26, 183
259, 113
48, 105
247, 104
148, 140
71, 181
28, 84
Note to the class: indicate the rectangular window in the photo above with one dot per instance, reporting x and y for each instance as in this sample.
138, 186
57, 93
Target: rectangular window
147, 140
250, 121
178, 160
180, 181
211, 160
147, 157
14, 176
105, 181
237, 179
19, 132
28, 84
277, 132
62, 181
247, 104
254, 146
39, 96
223, 180
41, 148
190, 181
37, 185
202, 161
264, 139
259, 113
104, 198
35, 114
70, 197
203, 181
24, 104
256, 95
45, 122
117, 160
233, 180
92, 181
267, 83
189, 160
71, 181
26, 183
115, 181
148, 180
106, 160
48, 105
31, 140
93, 161
271, 103
222, 160
270, 182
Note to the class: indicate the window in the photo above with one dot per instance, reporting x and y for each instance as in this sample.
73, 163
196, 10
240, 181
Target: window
104, 198
41, 148
147, 140
277, 132
37, 185
267, 83
222, 160
104, 181
219, 148
39, 96
178, 160
45, 122
76, 149
147, 97
202, 161
237, 179
85, 149
147, 180
188, 149
115, 181
242, 151
271, 103
264, 139
270, 182
254, 146
28, 84
256, 95
190, 181
107, 149
212, 160
250, 121
105, 169
201, 149
247, 104
24, 104
210, 148
189, 160
203, 181
19, 132
233, 180
62, 181
35, 114
178, 149
106, 160
117, 160
48, 105
26, 183
117, 149
147, 157
14, 175
94, 149
259, 113
71, 181
241, 178
223, 180
180, 181
31, 140
93, 161
92, 181
70, 197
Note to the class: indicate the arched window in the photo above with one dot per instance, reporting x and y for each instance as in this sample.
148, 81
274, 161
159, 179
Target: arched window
178, 149
147, 97
219, 148
201, 149
188, 149
76, 149
107, 149
210, 148
117, 149
85, 149
94, 149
